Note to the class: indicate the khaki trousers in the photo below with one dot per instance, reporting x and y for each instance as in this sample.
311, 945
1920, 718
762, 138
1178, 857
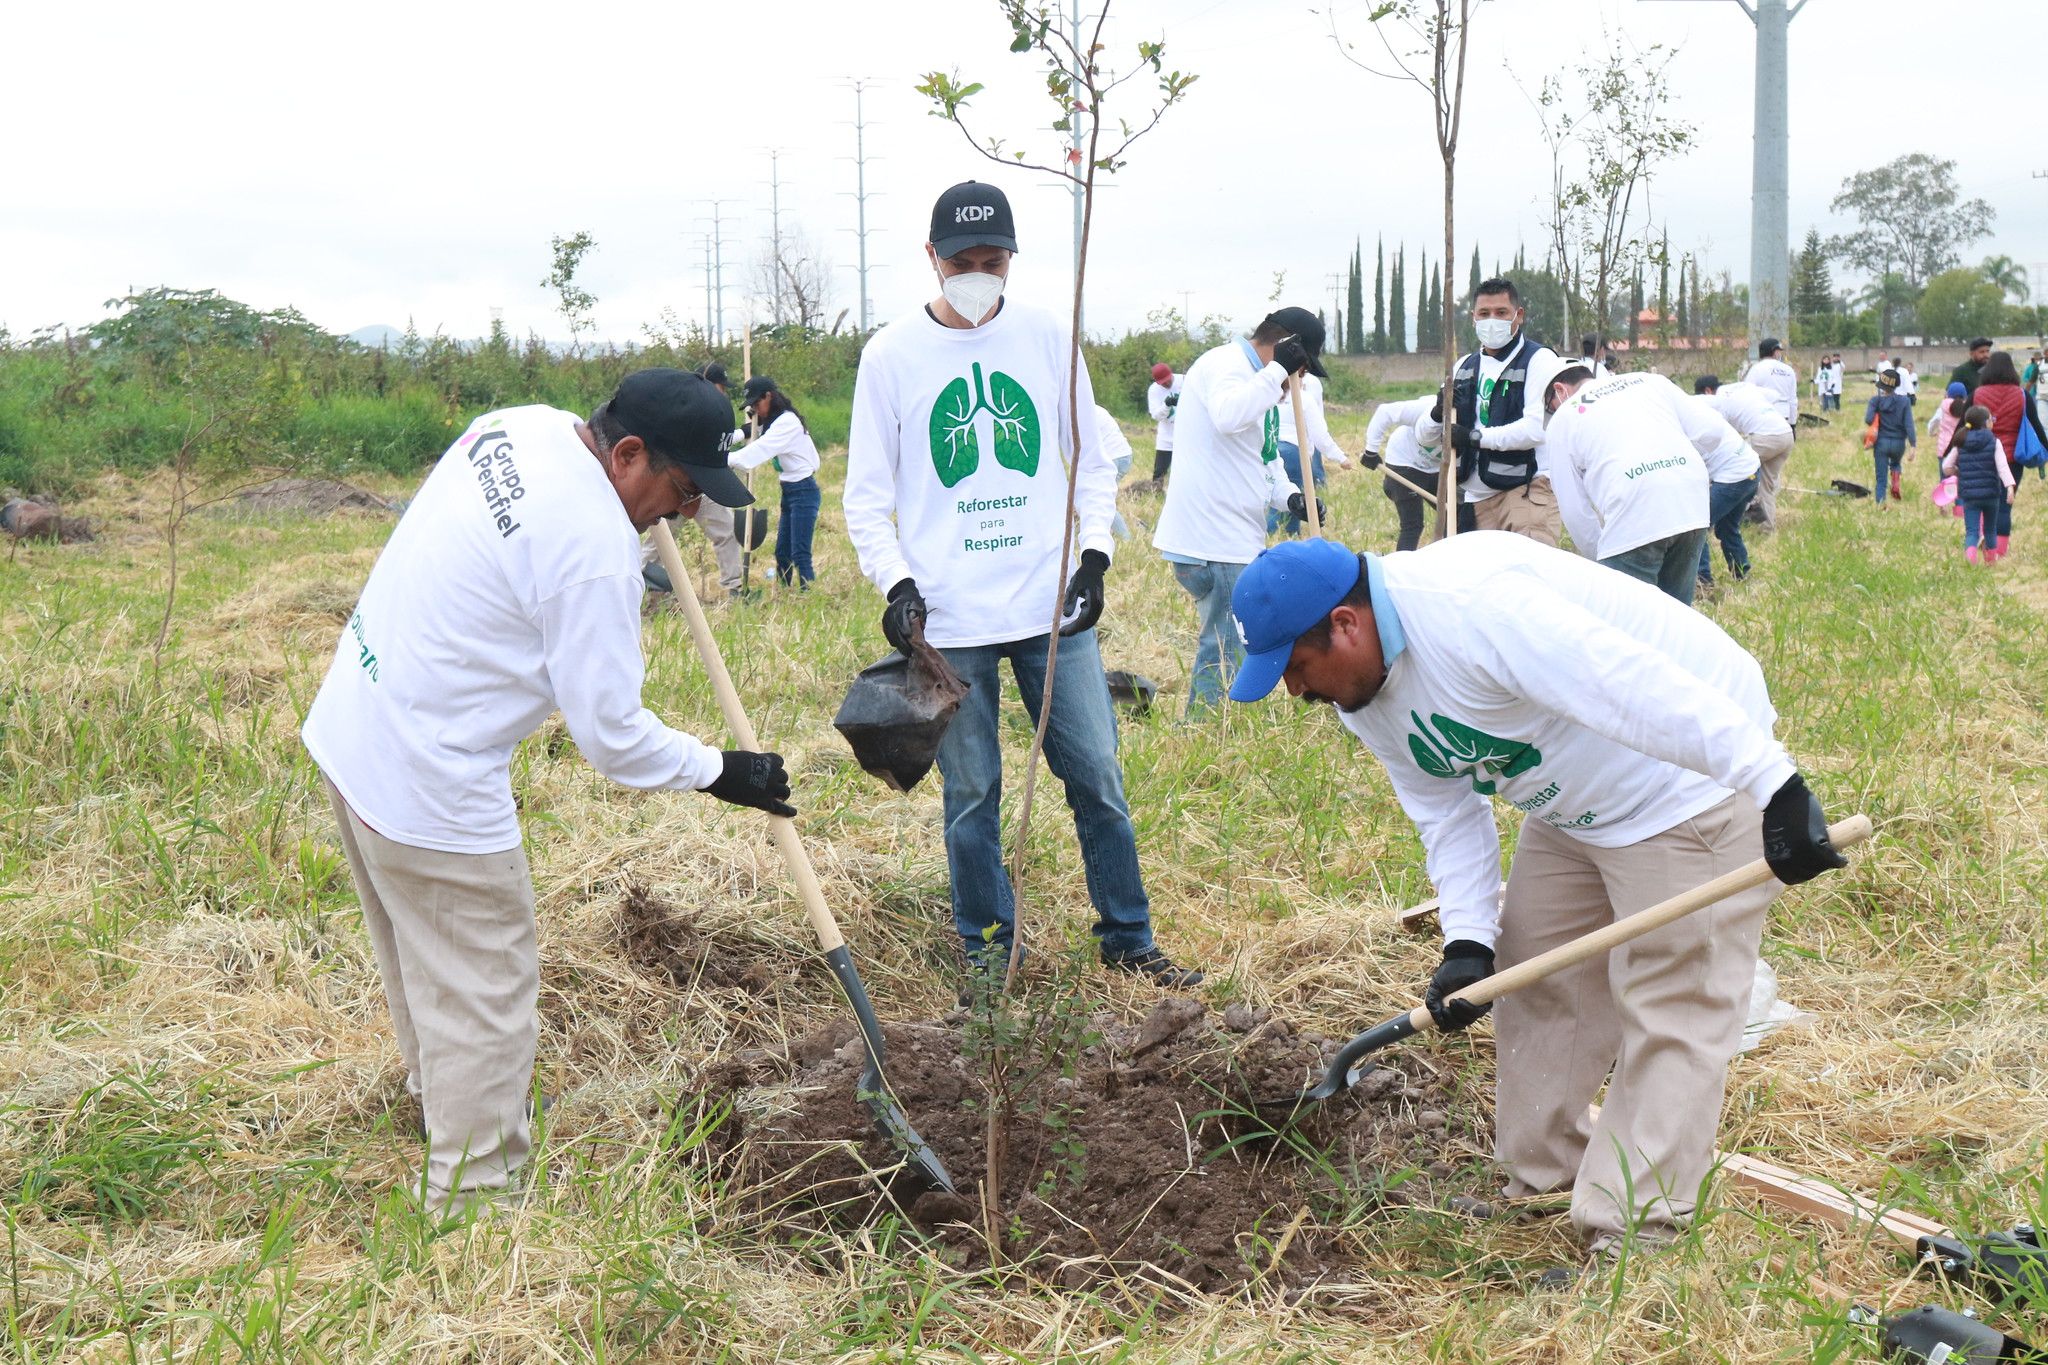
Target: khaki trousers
454, 938
1771, 453
1530, 510
716, 523
1657, 1020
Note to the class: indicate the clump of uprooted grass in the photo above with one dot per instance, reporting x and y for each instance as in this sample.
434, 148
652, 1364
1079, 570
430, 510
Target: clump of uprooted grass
203, 1128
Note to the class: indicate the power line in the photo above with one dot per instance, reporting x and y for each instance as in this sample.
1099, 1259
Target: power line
860, 161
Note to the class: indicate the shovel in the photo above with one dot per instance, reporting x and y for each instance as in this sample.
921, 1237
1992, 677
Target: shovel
873, 1086
1312, 518
1345, 1068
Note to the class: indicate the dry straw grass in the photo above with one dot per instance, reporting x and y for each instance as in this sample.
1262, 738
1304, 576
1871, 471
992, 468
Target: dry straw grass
204, 1117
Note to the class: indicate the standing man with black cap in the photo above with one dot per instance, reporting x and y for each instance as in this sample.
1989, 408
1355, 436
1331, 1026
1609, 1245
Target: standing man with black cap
1635, 737
1495, 429
1316, 446
957, 468
1228, 474
510, 590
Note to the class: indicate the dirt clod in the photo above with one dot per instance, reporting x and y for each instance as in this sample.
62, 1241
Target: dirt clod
1158, 1166
310, 497
667, 944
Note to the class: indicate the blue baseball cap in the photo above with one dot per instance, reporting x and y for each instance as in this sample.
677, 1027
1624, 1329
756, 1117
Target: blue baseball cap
1286, 591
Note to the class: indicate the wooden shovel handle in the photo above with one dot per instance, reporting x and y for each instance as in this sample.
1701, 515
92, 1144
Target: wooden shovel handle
1307, 459
1853, 830
1417, 489
786, 839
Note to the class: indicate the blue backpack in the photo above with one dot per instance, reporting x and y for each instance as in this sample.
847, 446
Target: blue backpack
2028, 451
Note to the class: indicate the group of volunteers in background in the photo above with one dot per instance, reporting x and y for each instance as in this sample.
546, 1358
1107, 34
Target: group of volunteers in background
1633, 734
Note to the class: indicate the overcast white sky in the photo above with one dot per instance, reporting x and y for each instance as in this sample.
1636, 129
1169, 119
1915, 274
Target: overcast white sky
379, 162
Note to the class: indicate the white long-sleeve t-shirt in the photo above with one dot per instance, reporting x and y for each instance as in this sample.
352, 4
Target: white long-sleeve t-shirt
1524, 433
1780, 381
1391, 433
1731, 460
956, 470
1628, 457
1320, 442
1584, 698
1162, 412
1226, 459
510, 589
1750, 410
786, 442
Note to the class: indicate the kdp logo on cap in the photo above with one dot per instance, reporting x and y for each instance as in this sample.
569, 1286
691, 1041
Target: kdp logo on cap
973, 213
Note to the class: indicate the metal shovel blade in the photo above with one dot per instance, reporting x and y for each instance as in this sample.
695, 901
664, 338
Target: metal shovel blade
873, 1087
1345, 1068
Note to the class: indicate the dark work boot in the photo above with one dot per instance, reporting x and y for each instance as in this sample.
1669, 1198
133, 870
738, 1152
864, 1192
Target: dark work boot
1157, 968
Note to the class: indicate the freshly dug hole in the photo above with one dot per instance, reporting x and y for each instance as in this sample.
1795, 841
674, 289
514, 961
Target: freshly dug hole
666, 943
1146, 1162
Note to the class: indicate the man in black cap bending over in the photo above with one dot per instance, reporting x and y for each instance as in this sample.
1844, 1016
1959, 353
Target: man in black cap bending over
510, 590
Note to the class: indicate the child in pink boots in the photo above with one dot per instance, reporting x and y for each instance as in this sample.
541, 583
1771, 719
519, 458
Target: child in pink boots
1983, 483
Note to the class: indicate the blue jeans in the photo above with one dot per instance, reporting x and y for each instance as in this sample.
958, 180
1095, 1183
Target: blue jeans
1290, 460
1220, 648
798, 523
1726, 502
1081, 750
1980, 523
1671, 563
1885, 456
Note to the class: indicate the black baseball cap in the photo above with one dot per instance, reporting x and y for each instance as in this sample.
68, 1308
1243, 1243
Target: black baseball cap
759, 387
1308, 330
685, 419
1768, 347
972, 213
714, 372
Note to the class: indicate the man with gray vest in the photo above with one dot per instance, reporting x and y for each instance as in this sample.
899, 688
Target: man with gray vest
1494, 429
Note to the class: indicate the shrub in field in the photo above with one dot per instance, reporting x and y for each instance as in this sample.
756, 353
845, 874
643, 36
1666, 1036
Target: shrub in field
398, 433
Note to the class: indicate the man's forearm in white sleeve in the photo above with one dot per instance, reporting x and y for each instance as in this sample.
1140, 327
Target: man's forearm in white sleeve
872, 444
590, 634
1241, 400
1462, 850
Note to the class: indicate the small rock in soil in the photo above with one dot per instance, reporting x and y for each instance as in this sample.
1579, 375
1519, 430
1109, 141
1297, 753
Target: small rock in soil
1239, 1017
1378, 1083
1470, 1206
1170, 1018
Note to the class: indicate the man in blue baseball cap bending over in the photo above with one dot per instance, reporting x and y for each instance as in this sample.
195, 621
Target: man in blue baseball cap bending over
1635, 737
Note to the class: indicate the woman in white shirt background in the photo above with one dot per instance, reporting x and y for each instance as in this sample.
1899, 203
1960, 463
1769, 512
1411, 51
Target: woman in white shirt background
786, 441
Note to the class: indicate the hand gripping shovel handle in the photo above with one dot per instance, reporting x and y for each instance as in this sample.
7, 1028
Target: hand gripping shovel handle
1306, 458
1343, 1070
874, 1083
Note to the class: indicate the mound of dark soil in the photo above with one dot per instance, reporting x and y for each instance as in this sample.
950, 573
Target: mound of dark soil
38, 518
307, 497
1150, 1159
667, 944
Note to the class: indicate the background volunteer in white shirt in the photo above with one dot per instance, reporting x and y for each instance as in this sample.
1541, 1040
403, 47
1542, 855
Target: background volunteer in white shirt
1732, 469
511, 589
1308, 330
785, 442
1214, 522
1390, 435
714, 521
1628, 455
1496, 428
1161, 397
1636, 738
1756, 415
956, 491
1776, 378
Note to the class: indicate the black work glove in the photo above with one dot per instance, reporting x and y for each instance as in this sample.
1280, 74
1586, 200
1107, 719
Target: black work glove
899, 619
1172, 401
1796, 835
1291, 355
1297, 506
1462, 437
1436, 411
1464, 963
1370, 459
1084, 592
757, 780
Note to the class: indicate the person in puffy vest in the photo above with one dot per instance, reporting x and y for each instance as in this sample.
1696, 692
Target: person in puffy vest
1496, 432
1984, 483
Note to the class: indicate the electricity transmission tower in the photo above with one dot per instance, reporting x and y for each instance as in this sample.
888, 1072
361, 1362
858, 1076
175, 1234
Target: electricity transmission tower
860, 161
775, 230
1770, 269
714, 273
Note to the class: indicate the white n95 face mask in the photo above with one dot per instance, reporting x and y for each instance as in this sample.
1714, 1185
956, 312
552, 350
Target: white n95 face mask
1494, 333
972, 295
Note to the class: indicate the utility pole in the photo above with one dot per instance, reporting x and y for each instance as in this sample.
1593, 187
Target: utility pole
860, 199
775, 230
1770, 282
714, 244
1074, 164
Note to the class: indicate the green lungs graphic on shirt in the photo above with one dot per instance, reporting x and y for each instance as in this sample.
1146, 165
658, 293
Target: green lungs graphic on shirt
1454, 750
956, 446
